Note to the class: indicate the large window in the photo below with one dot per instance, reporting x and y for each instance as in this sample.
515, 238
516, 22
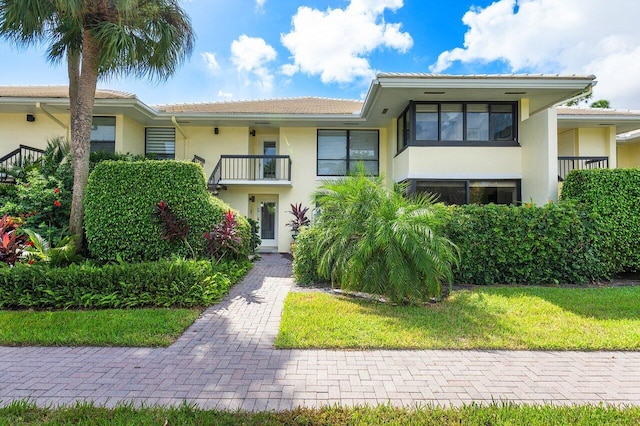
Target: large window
470, 191
458, 123
339, 151
103, 134
160, 143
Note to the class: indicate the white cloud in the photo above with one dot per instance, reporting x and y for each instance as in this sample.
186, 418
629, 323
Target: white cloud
225, 95
211, 61
335, 43
260, 5
250, 56
551, 36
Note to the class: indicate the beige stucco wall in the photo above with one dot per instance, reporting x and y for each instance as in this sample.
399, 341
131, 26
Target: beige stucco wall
203, 142
16, 131
539, 141
129, 135
628, 155
464, 162
567, 143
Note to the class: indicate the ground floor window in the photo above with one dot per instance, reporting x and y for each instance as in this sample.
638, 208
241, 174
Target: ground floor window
160, 143
463, 191
103, 134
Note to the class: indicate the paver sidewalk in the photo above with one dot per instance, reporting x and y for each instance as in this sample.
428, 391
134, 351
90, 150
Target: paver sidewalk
226, 360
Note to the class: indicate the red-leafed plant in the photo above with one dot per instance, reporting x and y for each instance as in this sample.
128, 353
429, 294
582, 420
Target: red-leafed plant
300, 218
173, 227
11, 244
225, 240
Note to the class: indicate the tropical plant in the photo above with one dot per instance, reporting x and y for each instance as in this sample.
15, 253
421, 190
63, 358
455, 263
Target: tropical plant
98, 38
300, 218
38, 249
11, 242
382, 242
255, 235
225, 239
173, 227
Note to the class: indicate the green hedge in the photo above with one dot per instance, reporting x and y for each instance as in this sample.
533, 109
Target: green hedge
119, 206
305, 265
614, 195
555, 243
178, 283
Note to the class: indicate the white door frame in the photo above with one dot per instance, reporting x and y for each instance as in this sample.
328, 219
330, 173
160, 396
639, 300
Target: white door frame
260, 201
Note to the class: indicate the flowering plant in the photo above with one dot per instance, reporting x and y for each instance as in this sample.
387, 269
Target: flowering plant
224, 239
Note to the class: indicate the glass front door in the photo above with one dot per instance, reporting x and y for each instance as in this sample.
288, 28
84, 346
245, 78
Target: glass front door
269, 164
267, 219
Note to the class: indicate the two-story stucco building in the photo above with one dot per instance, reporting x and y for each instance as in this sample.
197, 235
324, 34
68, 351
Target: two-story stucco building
471, 138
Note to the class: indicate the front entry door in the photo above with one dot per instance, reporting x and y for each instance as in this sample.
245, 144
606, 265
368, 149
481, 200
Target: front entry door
267, 212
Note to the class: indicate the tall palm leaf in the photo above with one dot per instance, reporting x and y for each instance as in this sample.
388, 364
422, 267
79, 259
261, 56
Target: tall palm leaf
99, 38
382, 242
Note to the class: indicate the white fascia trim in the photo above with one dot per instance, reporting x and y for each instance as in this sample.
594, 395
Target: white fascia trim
486, 83
255, 182
459, 176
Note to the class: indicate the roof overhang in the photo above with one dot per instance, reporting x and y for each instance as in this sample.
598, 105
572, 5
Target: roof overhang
624, 121
389, 94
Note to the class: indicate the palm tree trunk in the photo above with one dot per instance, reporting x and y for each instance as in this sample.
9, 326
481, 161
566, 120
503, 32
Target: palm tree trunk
83, 78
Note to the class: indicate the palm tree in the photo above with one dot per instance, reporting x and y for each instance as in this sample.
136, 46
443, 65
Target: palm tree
382, 242
98, 38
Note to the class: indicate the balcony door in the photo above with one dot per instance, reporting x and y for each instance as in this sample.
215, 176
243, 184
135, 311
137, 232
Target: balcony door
267, 214
268, 166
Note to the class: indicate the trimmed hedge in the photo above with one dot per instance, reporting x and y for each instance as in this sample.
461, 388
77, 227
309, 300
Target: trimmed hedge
555, 243
119, 204
178, 283
614, 195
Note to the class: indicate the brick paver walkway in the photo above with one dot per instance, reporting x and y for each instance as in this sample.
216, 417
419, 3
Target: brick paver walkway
226, 360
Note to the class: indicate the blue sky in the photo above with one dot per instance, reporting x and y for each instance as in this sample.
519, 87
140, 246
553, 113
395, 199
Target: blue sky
256, 49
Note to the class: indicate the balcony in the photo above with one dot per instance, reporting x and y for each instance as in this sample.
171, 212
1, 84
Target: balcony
566, 164
251, 170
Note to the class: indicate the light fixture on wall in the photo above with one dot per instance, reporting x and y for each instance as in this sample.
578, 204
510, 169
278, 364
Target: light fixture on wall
216, 130
252, 198
31, 118
252, 132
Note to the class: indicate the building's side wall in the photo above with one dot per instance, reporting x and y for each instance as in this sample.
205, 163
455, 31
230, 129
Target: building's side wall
539, 141
629, 155
596, 142
202, 141
567, 143
129, 136
15, 130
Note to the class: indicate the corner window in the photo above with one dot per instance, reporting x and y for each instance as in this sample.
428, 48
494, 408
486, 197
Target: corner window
160, 143
339, 151
458, 123
470, 191
103, 135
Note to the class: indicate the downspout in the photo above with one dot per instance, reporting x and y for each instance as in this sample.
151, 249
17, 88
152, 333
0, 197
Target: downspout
52, 117
184, 135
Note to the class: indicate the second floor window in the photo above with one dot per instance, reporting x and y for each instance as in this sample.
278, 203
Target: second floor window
458, 123
339, 151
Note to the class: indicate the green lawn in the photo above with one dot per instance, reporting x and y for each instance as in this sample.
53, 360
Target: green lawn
112, 327
483, 318
24, 413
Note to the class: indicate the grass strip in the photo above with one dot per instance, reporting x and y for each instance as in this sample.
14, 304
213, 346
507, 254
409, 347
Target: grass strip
109, 327
26, 413
515, 318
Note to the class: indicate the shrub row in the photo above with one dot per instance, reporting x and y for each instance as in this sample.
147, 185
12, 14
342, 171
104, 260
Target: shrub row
614, 195
177, 283
555, 243
120, 202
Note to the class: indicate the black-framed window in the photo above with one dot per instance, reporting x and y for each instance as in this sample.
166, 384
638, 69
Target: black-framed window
339, 151
458, 123
160, 143
103, 134
470, 191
